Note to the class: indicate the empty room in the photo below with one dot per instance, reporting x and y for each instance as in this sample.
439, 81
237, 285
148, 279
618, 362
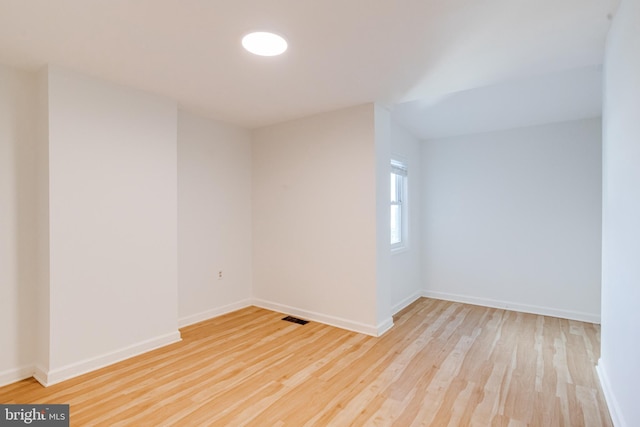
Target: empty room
297, 213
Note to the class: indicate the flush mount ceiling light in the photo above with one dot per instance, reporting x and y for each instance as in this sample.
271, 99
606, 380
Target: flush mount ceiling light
264, 44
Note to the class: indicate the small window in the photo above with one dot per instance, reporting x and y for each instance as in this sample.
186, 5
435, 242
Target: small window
398, 203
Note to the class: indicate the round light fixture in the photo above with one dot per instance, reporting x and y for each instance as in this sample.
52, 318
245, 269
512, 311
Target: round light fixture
264, 44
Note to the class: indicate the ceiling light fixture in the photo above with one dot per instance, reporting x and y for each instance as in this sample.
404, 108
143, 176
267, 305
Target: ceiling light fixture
264, 44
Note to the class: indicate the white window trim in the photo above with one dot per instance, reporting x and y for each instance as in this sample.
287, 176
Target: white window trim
399, 166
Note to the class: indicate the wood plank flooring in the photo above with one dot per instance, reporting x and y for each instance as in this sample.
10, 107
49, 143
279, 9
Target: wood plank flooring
442, 364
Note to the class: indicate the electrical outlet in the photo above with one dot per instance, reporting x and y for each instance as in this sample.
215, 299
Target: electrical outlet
220, 275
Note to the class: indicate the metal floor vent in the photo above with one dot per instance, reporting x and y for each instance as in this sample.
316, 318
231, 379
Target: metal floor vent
295, 320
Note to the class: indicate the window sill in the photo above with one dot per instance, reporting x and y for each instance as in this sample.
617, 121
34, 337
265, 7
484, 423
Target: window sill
398, 250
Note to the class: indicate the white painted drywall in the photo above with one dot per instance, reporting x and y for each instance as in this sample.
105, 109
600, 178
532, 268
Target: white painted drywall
619, 366
384, 302
113, 222
42, 317
512, 219
214, 217
314, 217
406, 273
17, 223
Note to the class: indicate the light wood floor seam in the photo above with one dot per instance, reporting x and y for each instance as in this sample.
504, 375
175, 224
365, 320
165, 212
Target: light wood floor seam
442, 364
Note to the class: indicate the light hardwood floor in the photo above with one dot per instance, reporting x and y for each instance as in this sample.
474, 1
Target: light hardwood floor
443, 364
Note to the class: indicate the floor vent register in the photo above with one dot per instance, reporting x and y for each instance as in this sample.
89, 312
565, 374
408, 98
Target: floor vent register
295, 320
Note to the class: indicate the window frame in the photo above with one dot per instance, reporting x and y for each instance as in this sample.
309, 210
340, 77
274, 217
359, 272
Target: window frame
400, 169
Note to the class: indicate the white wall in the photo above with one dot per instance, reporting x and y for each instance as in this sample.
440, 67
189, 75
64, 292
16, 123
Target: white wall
619, 366
113, 223
214, 218
89, 265
382, 138
17, 223
512, 219
42, 257
314, 218
406, 273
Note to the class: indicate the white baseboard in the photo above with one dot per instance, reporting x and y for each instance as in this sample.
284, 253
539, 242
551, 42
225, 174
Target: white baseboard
384, 327
406, 302
210, 314
533, 309
612, 403
373, 330
50, 377
17, 374
40, 374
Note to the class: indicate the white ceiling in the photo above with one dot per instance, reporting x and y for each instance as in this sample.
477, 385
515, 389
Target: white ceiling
568, 95
341, 52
